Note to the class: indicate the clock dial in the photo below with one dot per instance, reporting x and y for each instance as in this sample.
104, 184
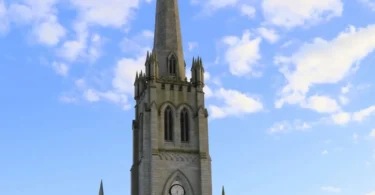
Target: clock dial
177, 190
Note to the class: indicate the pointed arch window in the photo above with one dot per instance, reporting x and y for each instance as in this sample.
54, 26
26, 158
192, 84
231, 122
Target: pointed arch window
172, 65
168, 124
184, 122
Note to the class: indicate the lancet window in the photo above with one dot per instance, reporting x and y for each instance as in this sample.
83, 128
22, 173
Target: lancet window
168, 124
184, 123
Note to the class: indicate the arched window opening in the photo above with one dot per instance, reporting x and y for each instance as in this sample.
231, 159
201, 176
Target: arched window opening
172, 65
184, 122
168, 124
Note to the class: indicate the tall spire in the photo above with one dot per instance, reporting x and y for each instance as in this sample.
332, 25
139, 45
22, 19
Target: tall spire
167, 37
223, 191
101, 191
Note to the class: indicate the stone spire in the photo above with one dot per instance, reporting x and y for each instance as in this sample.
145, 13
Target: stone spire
101, 191
167, 38
223, 191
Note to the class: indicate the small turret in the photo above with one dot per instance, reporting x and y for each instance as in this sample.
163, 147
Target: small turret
152, 66
140, 82
148, 63
136, 89
197, 72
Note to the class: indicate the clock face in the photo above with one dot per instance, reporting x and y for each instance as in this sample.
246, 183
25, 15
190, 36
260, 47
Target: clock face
177, 189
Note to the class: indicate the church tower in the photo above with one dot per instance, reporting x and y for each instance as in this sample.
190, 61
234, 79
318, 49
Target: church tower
170, 129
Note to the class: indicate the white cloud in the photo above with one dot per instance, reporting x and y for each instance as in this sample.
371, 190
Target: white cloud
114, 97
217, 81
248, 10
72, 49
235, 104
125, 72
349, 89
341, 118
192, 45
331, 189
323, 62
147, 34
346, 88
80, 83
280, 127
60, 68
207, 76
110, 13
207, 91
363, 86
94, 51
188, 74
67, 99
49, 32
216, 4
3, 19
242, 54
369, 3
371, 193
42, 15
337, 117
288, 43
372, 133
135, 45
324, 152
20, 14
321, 104
363, 114
82, 47
268, 34
91, 95
285, 127
288, 13
343, 100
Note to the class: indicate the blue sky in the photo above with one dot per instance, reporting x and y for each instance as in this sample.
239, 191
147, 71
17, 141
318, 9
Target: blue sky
289, 89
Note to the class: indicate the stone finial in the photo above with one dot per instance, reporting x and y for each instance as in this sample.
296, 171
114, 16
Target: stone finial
223, 191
